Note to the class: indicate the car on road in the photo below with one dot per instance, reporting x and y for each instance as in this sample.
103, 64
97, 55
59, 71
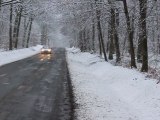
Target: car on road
46, 50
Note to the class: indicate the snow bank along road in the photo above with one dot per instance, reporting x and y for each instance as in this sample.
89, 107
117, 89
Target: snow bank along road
36, 88
107, 92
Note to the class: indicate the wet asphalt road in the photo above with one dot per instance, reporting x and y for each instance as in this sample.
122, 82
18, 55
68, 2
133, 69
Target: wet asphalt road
36, 88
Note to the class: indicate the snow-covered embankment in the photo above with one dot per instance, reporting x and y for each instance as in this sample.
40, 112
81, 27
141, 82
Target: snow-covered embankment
107, 92
15, 55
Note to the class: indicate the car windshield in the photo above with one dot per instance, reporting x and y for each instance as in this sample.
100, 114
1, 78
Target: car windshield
46, 47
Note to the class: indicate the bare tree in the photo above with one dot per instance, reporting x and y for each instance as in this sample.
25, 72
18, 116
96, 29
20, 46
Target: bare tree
26, 24
114, 33
0, 4
98, 14
143, 12
29, 31
10, 26
130, 34
17, 26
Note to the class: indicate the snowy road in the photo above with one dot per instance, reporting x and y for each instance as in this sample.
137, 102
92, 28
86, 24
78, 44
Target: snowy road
36, 88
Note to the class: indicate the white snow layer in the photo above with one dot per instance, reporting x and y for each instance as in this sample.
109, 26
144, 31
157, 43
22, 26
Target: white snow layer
15, 55
107, 92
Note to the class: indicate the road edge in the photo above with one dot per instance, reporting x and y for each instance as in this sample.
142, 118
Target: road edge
71, 91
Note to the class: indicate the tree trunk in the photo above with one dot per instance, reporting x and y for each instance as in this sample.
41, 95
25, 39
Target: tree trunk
111, 49
88, 40
0, 4
158, 28
115, 35
80, 42
139, 49
110, 38
10, 27
15, 29
130, 35
26, 24
143, 12
83, 40
100, 34
100, 45
93, 36
118, 55
93, 30
29, 32
18, 27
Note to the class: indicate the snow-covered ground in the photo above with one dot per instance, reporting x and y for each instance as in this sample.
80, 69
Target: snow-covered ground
15, 55
107, 92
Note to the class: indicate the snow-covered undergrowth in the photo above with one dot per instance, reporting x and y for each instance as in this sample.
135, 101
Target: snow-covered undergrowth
153, 63
15, 55
107, 92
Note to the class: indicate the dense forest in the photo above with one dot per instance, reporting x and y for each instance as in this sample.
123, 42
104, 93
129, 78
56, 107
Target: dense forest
127, 31
25, 23
120, 29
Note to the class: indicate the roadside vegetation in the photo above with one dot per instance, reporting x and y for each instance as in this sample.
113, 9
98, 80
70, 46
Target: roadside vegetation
127, 30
